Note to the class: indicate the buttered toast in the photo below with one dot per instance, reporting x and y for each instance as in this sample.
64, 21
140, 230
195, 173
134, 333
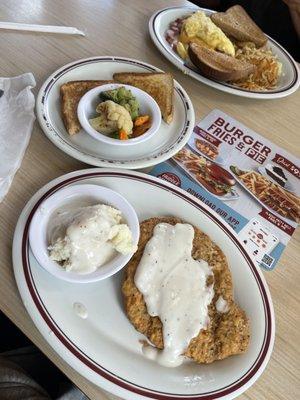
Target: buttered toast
237, 24
70, 94
217, 65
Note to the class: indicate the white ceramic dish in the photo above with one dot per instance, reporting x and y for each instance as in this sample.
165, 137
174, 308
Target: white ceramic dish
159, 22
88, 103
105, 348
167, 141
82, 195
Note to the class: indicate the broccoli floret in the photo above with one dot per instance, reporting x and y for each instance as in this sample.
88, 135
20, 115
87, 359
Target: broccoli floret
123, 97
109, 95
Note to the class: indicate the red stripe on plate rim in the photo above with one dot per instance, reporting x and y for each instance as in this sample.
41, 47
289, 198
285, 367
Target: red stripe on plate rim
86, 61
80, 355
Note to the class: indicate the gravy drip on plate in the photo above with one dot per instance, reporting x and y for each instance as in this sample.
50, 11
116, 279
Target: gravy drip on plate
174, 286
80, 310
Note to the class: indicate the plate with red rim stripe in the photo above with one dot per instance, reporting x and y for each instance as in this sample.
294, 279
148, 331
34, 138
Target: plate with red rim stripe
166, 142
104, 347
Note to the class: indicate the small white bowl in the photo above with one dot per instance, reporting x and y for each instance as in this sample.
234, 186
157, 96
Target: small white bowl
84, 194
87, 110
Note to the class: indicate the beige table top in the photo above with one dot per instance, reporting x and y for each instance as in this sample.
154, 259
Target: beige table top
115, 28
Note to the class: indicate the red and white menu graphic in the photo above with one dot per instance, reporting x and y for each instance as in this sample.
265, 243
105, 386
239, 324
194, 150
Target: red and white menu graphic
252, 184
268, 178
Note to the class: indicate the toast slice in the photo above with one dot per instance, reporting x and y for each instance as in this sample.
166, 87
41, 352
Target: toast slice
70, 94
237, 24
159, 85
219, 66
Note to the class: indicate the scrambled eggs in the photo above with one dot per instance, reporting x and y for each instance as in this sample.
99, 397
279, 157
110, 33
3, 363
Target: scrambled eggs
200, 28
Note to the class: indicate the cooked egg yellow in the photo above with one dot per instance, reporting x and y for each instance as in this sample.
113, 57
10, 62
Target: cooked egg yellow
200, 26
181, 50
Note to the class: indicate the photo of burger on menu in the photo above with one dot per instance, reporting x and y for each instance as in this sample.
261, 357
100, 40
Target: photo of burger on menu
211, 176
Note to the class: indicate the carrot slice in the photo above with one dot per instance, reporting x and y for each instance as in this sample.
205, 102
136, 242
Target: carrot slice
140, 130
141, 120
123, 134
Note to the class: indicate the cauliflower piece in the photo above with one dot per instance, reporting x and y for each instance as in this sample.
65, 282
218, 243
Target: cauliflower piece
113, 117
121, 239
101, 124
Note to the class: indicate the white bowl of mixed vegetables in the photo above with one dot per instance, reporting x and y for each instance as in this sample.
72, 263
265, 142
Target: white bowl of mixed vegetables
119, 114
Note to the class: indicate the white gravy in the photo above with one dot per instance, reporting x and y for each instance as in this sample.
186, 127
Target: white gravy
221, 305
80, 310
85, 238
174, 288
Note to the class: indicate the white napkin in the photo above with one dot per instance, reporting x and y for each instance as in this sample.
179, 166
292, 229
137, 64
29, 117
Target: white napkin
16, 121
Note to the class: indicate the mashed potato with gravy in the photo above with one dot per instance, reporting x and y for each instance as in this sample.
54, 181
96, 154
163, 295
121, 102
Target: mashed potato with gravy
93, 237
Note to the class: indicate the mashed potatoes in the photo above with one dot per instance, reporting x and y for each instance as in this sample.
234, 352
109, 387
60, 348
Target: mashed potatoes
93, 237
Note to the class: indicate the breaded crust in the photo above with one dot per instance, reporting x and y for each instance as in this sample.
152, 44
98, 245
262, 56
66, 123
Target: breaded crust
227, 334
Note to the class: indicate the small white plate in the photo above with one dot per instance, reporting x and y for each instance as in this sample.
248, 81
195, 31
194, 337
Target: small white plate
167, 141
159, 24
87, 109
105, 348
80, 196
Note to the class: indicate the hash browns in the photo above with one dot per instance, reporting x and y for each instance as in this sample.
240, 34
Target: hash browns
268, 68
227, 334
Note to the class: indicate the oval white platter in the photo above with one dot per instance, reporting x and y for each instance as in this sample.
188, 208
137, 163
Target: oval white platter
104, 347
288, 83
166, 142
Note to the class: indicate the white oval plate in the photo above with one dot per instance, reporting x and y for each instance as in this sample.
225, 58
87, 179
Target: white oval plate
166, 142
288, 83
105, 348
